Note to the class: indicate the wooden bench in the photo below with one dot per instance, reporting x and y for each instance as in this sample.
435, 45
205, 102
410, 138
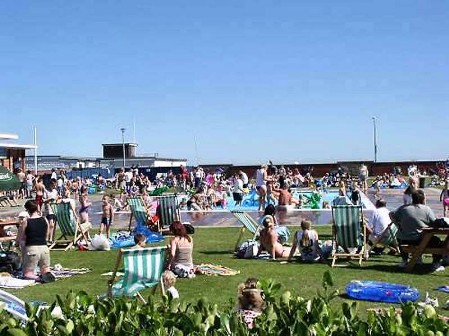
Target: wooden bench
418, 250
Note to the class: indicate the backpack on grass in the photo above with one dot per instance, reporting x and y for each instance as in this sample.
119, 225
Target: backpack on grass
9, 261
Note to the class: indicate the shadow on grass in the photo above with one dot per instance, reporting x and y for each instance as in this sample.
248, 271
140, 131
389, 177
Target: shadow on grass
226, 252
419, 269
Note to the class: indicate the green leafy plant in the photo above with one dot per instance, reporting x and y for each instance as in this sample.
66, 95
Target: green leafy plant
285, 314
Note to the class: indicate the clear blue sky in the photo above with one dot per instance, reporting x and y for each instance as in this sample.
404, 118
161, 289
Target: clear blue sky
249, 80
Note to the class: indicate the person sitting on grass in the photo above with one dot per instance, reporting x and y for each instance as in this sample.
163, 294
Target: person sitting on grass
282, 231
181, 247
306, 241
250, 301
269, 240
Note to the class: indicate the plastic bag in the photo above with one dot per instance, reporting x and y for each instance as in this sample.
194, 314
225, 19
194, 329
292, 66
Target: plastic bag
100, 243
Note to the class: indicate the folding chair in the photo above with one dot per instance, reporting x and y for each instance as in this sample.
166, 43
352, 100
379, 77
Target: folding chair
349, 233
248, 223
386, 238
167, 210
143, 268
71, 230
138, 210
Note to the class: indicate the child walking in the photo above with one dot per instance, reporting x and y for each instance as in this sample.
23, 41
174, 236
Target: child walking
444, 197
107, 216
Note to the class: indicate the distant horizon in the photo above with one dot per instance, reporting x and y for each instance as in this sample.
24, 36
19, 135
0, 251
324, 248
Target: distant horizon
246, 164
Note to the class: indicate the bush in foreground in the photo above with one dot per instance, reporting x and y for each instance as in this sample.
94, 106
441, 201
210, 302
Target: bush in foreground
81, 314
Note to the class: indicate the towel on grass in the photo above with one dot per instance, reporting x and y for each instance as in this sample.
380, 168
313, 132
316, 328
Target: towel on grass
15, 283
62, 273
209, 269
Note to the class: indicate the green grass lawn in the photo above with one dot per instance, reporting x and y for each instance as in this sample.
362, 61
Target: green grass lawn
214, 245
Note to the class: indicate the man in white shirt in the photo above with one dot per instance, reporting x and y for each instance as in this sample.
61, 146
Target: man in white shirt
237, 191
244, 178
378, 223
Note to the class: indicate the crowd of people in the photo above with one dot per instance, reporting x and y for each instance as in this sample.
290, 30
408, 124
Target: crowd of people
207, 190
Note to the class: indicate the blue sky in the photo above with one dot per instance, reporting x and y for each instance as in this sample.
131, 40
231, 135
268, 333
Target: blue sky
247, 81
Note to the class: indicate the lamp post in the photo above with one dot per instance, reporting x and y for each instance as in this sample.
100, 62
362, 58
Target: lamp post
123, 146
375, 138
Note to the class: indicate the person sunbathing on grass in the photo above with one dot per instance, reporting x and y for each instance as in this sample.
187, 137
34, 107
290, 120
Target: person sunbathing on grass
269, 240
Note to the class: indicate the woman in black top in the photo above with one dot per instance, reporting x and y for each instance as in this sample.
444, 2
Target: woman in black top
34, 233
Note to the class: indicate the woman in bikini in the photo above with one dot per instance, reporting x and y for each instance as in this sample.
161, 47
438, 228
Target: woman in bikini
269, 240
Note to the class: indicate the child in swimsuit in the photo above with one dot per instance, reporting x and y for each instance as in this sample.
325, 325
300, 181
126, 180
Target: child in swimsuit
107, 216
84, 207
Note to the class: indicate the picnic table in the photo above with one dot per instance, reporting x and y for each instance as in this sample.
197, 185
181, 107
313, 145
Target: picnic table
418, 250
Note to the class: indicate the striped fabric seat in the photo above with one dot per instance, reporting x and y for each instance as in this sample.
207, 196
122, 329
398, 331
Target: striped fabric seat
142, 269
248, 223
138, 210
167, 209
349, 232
387, 237
71, 232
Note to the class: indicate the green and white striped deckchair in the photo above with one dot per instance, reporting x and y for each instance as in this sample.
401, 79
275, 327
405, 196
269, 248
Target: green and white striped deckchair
167, 210
142, 269
69, 226
349, 233
248, 223
387, 237
138, 210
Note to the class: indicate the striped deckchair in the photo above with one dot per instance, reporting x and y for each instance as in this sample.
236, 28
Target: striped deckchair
71, 230
167, 210
386, 238
142, 269
349, 233
248, 223
138, 210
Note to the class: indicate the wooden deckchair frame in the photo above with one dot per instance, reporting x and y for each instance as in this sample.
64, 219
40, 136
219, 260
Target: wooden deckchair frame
248, 223
69, 226
141, 214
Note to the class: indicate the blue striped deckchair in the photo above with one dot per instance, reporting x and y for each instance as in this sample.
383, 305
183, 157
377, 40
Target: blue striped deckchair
138, 210
69, 225
167, 210
248, 223
142, 269
349, 233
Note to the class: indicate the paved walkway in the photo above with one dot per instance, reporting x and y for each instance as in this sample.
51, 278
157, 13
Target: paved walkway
393, 197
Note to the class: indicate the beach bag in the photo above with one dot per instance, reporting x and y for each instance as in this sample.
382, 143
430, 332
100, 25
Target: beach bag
9, 261
248, 250
441, 222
